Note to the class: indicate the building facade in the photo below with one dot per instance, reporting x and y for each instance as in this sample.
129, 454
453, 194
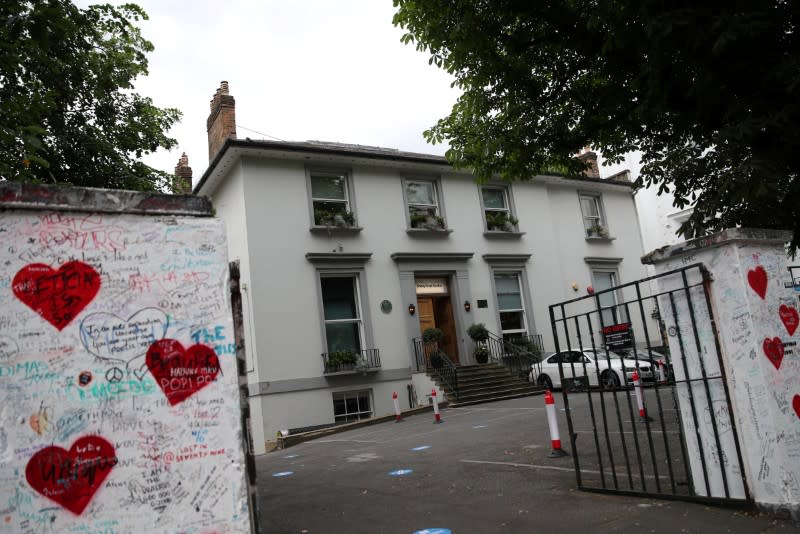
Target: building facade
348, 249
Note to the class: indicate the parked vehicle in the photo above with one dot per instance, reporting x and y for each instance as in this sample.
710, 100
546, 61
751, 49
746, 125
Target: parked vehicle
653, 357
597, 367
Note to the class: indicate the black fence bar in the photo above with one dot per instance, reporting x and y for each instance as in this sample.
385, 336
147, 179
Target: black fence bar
630, 447
430, 358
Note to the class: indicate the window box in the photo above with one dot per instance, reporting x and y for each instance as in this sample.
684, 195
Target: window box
350, 362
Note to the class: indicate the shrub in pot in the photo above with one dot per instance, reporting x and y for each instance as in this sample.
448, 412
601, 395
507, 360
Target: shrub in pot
478, 332
481, 354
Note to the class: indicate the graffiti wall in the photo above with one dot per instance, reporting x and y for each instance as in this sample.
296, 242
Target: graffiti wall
118, 387
755, 300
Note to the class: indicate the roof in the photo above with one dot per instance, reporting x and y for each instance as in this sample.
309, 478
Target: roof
373, 153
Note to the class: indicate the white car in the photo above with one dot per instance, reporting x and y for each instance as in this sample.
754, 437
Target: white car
592, 364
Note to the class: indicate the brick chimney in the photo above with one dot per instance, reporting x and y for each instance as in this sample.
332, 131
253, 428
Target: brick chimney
183, 173
221, 123
589, 157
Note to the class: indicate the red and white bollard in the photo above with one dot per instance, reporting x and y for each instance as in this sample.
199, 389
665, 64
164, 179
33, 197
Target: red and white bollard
552, 422
397, 417
637, 388
437, 418
662, 372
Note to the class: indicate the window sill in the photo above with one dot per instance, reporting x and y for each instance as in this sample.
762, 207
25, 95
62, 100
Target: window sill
502, 234
425, 232
350, 230
600, 239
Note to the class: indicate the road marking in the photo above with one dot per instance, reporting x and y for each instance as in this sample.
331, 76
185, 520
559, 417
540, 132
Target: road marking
556, 468
346, 441
400, 472
421, 448
283, 474
532, 466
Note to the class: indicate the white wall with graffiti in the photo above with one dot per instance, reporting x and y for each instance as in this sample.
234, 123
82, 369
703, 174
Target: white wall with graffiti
754, 297
119, 402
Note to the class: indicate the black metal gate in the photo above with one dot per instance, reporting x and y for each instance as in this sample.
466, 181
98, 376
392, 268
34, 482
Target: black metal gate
680, 442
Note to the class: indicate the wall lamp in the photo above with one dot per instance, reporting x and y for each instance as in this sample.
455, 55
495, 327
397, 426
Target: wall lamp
412, 309
467, 306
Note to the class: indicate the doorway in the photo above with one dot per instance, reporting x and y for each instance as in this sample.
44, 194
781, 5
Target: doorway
435, 310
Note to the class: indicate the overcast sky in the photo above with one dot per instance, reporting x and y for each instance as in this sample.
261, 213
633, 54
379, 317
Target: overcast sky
329, 70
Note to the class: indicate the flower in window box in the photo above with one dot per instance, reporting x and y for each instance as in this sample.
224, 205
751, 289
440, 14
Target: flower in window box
339, 219
501, 221
342, 357
430, 222
597, 230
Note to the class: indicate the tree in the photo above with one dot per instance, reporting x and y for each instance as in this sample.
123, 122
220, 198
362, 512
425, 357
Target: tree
67, 110
709, 92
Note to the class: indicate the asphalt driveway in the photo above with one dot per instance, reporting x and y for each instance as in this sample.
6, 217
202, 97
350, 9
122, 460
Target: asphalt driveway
484, 470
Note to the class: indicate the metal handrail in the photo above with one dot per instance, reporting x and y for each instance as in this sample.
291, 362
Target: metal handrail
519, 354
447, 371
364, 360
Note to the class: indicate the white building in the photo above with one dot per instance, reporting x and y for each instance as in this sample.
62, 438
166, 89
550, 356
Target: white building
354, 248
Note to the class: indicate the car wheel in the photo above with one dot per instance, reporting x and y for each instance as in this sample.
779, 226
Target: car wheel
545, 381
609, 379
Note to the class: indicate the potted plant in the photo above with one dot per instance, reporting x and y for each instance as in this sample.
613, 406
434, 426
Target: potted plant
342, 357
427, 221
432, 335
339, 219
597, 230
501, 221
481, 354
479, 334
437, 358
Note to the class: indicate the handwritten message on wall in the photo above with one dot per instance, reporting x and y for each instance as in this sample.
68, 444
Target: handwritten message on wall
755, 302
119, 405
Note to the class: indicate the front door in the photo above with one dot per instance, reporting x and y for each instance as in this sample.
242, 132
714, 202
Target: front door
437, 312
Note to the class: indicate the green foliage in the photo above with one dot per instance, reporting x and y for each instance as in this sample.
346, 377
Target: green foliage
500, 220
478, 332
341, 357
67, 109
481, 354
431, 222
340, 219
432, 335
710, 95
437, 358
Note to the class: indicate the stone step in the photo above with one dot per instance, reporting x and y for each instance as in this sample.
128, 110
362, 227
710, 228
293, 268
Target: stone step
469, 402
494, 391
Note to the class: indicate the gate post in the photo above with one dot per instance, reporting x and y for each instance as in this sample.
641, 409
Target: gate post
747, 332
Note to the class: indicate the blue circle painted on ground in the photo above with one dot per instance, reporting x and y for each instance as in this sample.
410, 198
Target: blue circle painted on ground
283, 474
400, 472
421, 448
291, 456
480, 426
433, 531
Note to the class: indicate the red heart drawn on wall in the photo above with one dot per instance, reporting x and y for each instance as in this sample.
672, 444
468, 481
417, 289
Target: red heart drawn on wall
57, 295
179, 372
796, 405
773, 348
757, 278
790, 318
71, 478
